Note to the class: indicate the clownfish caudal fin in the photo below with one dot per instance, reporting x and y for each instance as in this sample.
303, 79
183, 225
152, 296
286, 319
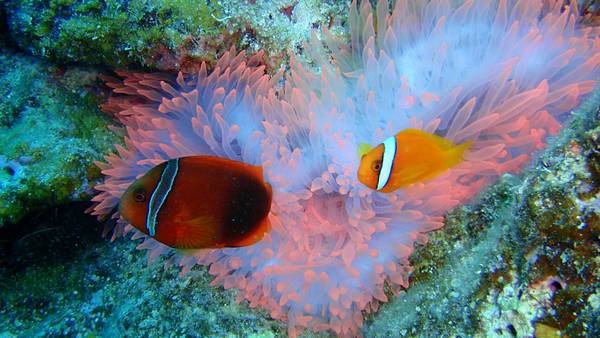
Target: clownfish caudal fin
456, 153
363, 149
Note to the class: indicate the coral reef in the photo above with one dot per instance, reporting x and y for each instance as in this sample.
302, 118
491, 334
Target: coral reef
17, 88
166, 34
478, 71
470, 279
51, 132
519, 260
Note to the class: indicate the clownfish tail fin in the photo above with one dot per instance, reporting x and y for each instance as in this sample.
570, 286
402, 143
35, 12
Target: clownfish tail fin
456, 154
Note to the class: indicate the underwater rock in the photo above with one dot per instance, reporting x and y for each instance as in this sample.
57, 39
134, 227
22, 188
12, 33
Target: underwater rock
166, 34
282, 26
51, 132
66, 280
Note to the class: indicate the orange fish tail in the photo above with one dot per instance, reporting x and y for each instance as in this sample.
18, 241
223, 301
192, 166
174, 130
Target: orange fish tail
456, 154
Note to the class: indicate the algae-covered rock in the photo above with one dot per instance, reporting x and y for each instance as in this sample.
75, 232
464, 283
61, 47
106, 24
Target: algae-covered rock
277, 25
51, 131
115, 33
165, 34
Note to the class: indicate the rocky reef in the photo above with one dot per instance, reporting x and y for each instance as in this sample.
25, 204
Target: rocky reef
51, 132
163, 34
520, 260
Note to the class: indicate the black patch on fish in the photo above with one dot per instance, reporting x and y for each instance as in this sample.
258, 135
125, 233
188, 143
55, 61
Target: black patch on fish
248, 206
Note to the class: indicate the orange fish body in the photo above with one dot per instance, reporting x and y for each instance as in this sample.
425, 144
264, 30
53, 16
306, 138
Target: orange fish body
200, 202
410, 156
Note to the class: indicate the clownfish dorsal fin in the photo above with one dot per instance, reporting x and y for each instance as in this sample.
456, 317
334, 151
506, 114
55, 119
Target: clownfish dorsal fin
441, 141
257, 171
363, 149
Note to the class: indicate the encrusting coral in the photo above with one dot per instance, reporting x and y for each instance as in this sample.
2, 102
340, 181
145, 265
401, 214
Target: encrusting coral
499, 74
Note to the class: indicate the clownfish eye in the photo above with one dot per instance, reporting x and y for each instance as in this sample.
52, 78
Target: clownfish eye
140, 196
376, 165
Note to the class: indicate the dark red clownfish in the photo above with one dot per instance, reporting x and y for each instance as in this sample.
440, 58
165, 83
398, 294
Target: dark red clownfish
200, 202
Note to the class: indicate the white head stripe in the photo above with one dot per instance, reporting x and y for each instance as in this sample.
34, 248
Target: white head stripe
389, 153
160, 194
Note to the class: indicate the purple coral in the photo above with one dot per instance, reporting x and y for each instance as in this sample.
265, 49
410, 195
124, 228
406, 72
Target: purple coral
500, 74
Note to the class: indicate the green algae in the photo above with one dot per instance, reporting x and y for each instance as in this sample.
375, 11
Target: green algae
16, 98
54, 134
113, 33
164, 34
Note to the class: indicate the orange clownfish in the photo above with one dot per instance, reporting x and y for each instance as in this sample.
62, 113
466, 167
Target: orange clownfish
200, 202
410, 156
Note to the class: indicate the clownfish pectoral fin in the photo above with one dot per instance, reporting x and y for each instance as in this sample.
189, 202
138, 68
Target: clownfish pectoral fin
363, 149
414, 173
465, 145
200, 221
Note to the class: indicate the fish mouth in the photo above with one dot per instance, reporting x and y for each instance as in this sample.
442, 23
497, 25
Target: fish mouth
122, 207
122, 212
362, 178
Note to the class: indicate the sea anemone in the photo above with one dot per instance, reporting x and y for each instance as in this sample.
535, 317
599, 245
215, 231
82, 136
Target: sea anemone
502, 74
